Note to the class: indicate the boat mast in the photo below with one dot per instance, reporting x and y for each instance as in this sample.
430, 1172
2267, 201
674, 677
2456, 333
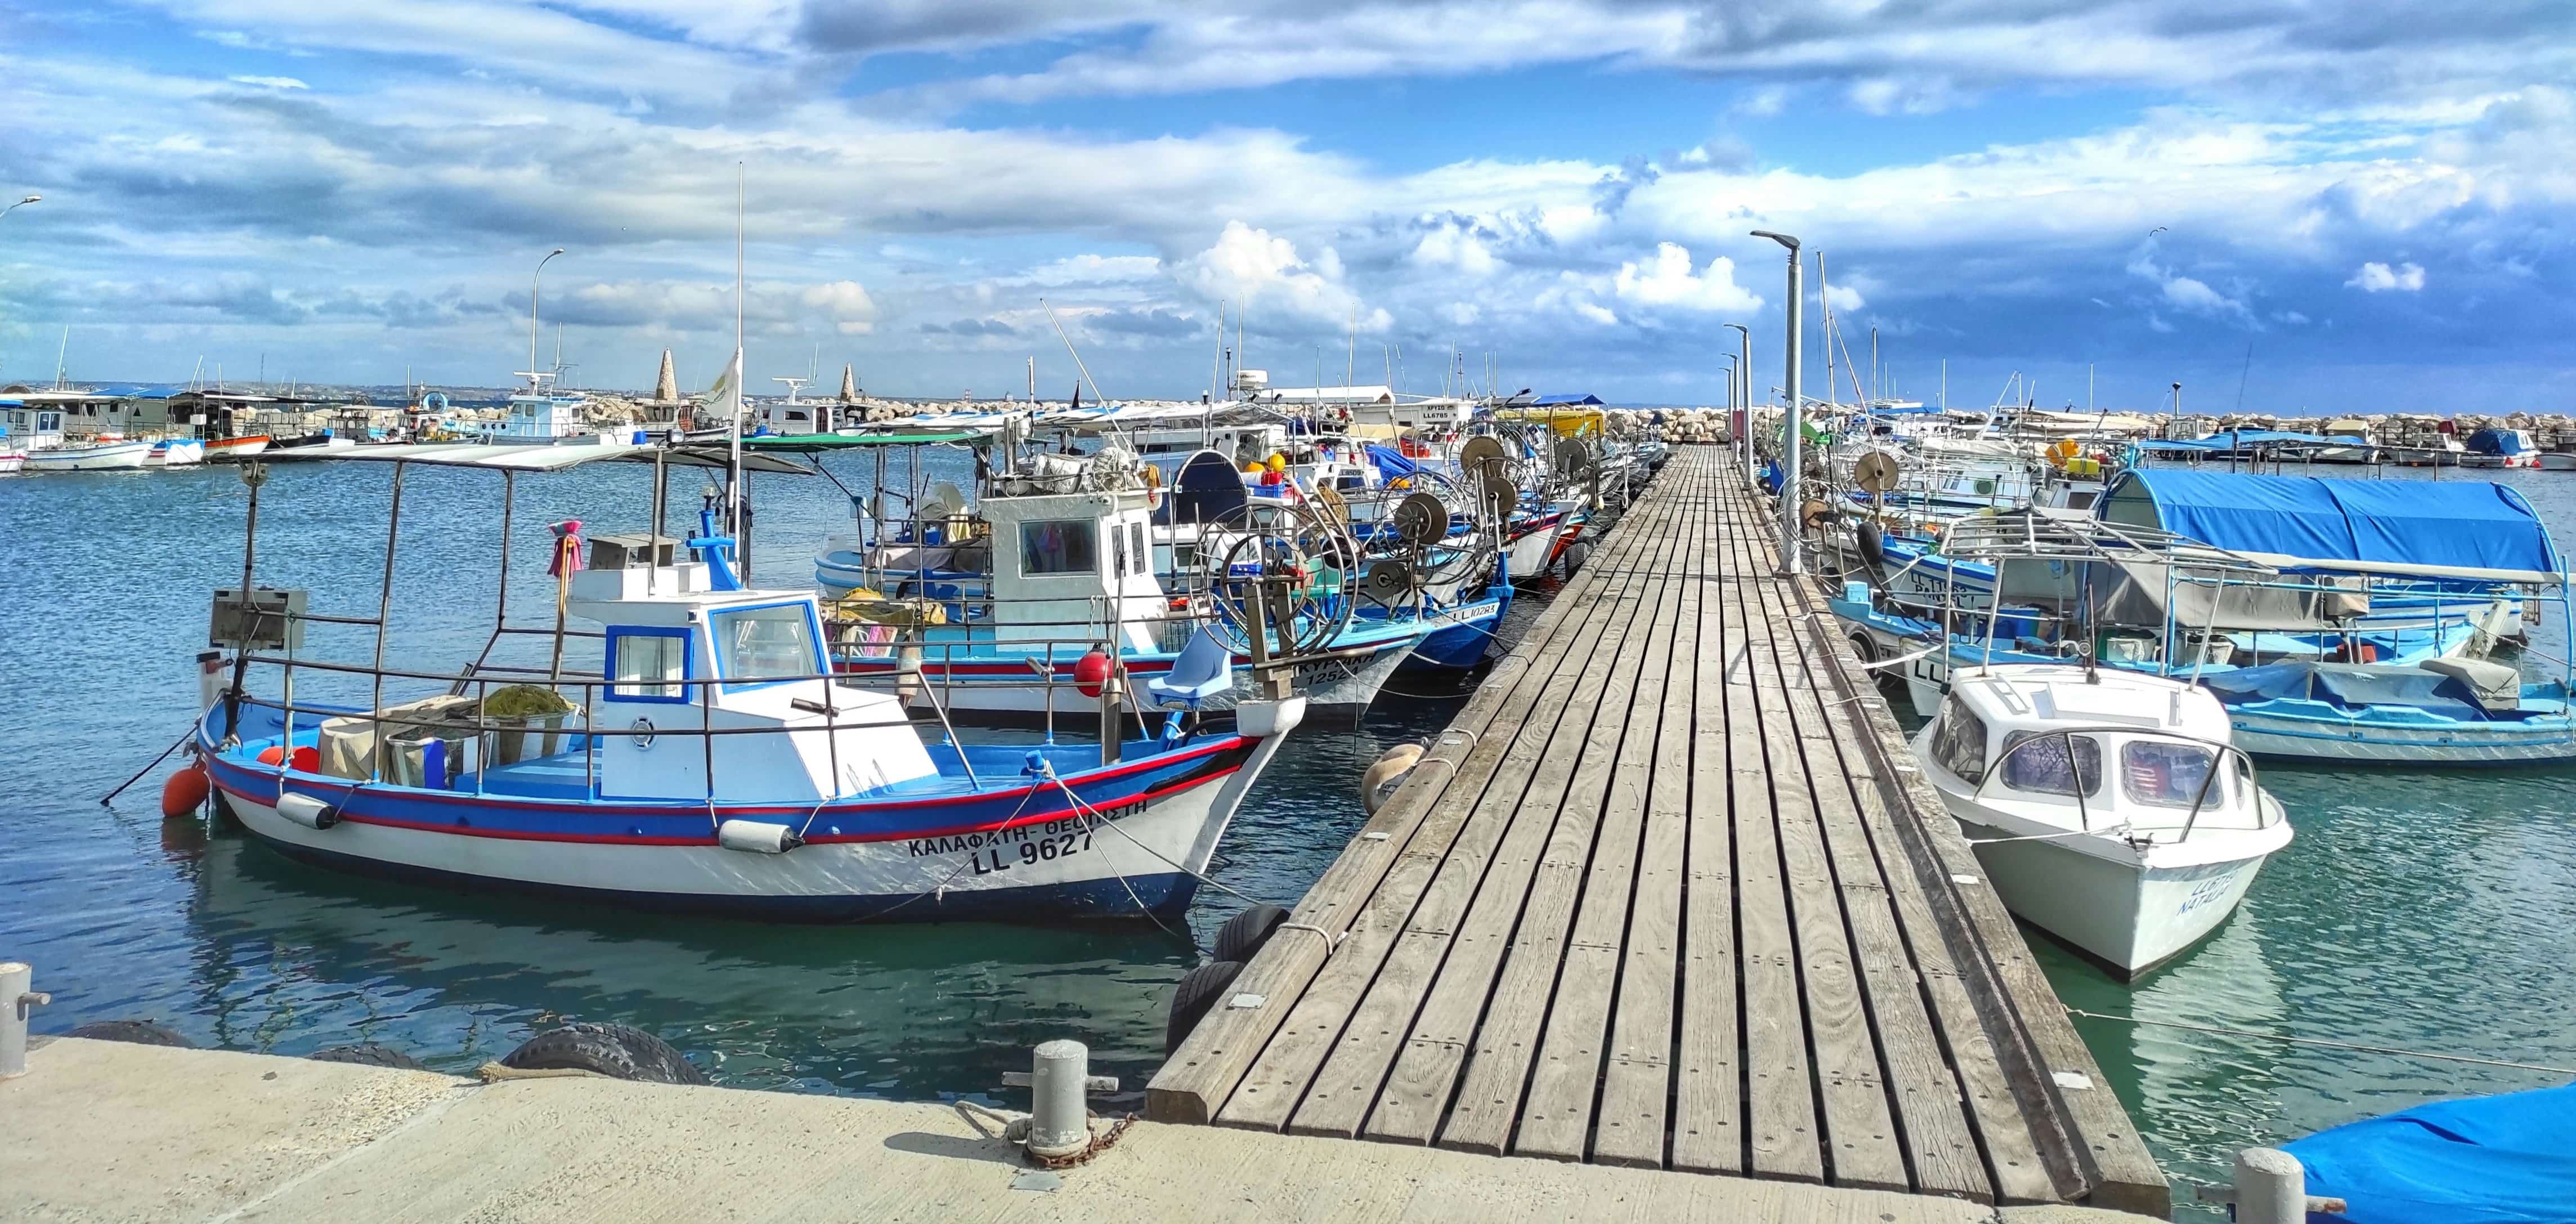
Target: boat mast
733, 485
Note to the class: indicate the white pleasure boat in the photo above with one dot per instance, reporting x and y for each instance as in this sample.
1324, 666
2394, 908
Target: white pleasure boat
2108, 807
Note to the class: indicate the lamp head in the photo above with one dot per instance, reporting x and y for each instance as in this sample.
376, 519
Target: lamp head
1783, 239
31, 199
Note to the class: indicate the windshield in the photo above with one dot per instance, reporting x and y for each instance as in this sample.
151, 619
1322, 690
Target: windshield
2049, 766
755, 645
2166, 774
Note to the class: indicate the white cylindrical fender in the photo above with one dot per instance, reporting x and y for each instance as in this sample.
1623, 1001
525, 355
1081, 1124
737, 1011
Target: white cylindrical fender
307, 811
210, 678
757, 837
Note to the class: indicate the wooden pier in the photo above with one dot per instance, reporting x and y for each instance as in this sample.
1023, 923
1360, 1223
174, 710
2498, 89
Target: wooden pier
1670, 893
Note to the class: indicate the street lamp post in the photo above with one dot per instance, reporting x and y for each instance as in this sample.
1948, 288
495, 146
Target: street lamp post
1744, 395
533, 277
1789, 425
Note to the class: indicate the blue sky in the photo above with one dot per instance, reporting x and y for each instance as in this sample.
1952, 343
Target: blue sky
2375, 203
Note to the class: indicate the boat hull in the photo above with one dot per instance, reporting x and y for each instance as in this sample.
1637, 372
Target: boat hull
2335, 738
109, 457
221, 450
2129, 915
1137, 856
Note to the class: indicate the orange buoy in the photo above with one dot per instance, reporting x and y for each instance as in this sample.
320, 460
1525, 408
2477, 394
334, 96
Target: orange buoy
1091, 672
185, 792
272, 755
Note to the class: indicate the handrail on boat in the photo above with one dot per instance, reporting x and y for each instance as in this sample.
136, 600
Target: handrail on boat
2222, 755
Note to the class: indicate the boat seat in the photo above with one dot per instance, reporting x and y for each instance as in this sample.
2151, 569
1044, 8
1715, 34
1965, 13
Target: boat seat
1204, 669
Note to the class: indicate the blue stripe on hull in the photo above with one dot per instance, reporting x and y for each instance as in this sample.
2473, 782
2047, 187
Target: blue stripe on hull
1164, 894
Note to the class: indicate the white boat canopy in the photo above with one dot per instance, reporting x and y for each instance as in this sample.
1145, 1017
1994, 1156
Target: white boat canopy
536, 458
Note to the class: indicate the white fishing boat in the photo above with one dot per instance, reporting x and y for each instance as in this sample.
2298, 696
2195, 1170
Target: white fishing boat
176, 452
11, 459
104, 456
2558, 461
712, 761
2108, 808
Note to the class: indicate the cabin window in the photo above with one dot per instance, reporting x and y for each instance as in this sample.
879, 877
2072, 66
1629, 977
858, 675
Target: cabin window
1119, 540
2080, 499
1136, 533
648, 664
1059, 546
765, 644
2046, 767
1959, 743
2165, 774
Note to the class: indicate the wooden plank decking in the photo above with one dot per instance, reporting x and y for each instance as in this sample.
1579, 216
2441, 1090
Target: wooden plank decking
1669, 893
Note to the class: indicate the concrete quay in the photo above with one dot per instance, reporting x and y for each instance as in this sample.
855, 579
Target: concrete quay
100, 1131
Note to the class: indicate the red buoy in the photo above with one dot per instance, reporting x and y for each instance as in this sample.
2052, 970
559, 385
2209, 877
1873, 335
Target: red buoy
1091, 672
272, 755
185, 792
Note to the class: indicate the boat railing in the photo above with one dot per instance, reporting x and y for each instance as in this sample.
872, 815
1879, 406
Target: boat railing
2221, 755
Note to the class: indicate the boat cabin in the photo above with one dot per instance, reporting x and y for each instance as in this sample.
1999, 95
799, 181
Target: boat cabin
539, 417
1064, 562
2116, 749
682, 658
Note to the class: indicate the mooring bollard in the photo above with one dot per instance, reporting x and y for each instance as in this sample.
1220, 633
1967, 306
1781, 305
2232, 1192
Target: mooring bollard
1058, 1077
17, 1002
2271, 1188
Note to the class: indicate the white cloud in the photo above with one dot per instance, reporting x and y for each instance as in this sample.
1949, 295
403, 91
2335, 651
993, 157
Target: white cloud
1843, 297
269, 82
2380, 278
1263, 273
1090, 269
852, 312
1453, 246
1596, 313
1667, 280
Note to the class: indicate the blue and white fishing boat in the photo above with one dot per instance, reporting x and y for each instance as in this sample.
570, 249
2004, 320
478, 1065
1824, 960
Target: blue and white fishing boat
2461, 561
1059, 568
714, 762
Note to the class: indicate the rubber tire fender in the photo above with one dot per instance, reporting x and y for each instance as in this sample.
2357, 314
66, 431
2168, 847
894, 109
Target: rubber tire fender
1873, 547
615, 1050
1197, 992
368, 1054
1576, 554
132, 1032
1243, 934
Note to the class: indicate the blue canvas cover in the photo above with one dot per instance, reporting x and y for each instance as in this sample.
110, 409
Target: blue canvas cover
2507, 1159
1566, 401
2449, 524
1391, 462
2349, 685
2495, 442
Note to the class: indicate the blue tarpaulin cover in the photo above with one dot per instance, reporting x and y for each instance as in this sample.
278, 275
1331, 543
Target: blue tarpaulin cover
2449, 524
1391, 461
2506, 1159
2236, 439
1566, 401
2495, 442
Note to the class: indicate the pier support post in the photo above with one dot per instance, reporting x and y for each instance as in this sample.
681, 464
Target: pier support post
1789, 423
17, 1002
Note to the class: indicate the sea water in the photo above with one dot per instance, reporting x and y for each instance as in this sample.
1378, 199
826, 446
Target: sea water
2417, 910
